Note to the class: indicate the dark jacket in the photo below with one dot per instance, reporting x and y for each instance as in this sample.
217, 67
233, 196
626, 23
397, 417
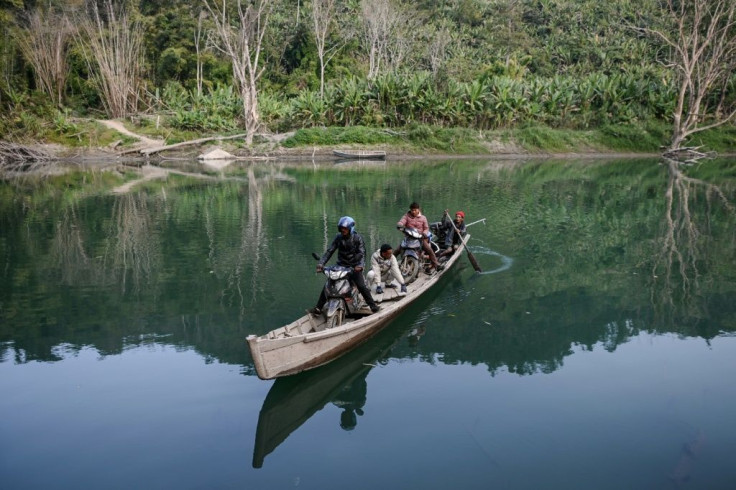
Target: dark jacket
350, 250
452, 238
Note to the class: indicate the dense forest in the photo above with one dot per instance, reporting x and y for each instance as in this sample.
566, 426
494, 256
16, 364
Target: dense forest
280, 65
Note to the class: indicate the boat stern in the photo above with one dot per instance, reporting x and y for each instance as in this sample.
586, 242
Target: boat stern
255, 353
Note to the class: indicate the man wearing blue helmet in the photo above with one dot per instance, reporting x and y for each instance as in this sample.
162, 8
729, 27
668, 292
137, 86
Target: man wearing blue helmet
350, 253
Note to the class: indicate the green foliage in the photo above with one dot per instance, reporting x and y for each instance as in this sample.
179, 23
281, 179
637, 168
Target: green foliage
63, 125
562, 64
173, 63
634, 137
447, 140
722, 139
543, 138
218, 110
24, 116
273, 111
488, 102
336, 136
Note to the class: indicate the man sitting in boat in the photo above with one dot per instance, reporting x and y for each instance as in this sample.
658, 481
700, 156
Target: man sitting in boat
415, 219
384, 267
452, 240
350, 253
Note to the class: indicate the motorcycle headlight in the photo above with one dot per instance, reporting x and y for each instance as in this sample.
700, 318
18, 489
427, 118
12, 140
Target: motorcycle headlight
335, 275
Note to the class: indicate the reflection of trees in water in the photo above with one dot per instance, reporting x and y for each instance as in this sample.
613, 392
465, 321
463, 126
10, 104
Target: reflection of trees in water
132, 252
67, 248
678, 266
252, 252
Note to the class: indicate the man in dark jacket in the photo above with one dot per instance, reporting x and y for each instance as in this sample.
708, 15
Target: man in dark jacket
350, 253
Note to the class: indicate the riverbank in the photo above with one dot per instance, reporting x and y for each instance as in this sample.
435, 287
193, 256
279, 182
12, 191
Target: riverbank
123, 140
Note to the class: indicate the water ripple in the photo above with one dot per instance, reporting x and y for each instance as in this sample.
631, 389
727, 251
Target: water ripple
506, 261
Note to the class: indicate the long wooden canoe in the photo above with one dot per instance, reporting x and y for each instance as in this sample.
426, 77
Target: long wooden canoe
306, 344
360, 154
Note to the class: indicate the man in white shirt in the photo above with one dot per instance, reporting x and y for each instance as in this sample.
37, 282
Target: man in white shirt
384, 267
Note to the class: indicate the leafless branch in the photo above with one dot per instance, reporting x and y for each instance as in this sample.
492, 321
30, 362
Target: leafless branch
241, 36
437, 49
17, 157
387, 31
323, 14
198, 40
113, 48
44, 43
702, 38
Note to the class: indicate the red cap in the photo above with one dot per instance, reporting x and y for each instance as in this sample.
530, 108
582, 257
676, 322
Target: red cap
461, 214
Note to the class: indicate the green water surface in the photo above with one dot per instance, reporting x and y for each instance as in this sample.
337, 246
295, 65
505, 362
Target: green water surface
595, 350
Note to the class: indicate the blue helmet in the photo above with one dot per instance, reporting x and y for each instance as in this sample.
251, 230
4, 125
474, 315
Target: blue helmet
346, 222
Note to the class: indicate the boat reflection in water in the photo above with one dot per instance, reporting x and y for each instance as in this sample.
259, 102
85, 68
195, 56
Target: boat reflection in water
292, 400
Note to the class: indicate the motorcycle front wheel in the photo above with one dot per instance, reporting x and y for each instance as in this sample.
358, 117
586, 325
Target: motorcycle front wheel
409, 267
336, 319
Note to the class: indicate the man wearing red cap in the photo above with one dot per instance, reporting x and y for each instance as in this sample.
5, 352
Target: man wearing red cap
452, 238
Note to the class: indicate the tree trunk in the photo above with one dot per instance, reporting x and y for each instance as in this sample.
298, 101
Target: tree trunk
241, 38
701, 37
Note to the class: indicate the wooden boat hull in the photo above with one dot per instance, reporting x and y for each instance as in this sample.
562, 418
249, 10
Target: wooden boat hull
360, 155
292, 400
305, 344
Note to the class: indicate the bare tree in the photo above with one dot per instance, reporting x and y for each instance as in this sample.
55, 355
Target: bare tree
113, 48
198, 38
401, 43
241, 40
323, 14
437, 49
386, 34
701, 36
44, 44
7, 57
377, 30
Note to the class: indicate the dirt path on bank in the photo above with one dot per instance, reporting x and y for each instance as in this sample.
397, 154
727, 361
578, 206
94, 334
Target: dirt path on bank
118, 126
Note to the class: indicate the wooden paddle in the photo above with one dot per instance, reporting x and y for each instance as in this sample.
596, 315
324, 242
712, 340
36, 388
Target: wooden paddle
471, 258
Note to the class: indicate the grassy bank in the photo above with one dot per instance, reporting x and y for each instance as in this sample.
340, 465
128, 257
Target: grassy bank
622, 138
650, 137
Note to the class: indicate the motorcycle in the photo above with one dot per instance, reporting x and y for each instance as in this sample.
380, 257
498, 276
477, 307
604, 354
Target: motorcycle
439, 234
343, 297
412, 257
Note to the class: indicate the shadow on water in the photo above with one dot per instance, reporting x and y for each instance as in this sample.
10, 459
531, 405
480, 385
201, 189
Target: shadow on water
293, 400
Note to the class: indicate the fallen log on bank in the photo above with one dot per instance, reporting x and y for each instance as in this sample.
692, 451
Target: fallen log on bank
157, 149
690, 154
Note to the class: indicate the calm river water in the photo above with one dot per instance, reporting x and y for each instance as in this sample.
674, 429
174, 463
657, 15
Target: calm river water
596, 350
